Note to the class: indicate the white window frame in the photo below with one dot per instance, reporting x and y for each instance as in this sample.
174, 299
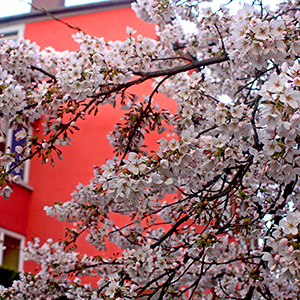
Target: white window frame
20, 29
14, 235
9, 139
3, 125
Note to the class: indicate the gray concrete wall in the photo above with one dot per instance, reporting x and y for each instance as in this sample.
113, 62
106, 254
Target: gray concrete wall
47, 4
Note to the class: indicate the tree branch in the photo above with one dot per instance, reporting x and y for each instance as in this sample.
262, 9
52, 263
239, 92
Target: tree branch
170, 232
44, 72
180, 69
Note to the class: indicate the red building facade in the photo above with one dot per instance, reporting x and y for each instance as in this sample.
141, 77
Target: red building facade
22, 216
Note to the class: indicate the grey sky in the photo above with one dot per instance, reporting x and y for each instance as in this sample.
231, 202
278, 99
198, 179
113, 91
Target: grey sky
16, 7
13, 7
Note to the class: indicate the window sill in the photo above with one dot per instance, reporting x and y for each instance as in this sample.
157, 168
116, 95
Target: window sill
25, 185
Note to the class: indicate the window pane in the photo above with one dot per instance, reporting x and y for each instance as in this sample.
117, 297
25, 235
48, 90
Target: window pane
3, 133
14, 144
11, 252
12, 35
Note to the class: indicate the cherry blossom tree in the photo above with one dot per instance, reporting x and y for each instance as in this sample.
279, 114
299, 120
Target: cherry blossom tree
229, 228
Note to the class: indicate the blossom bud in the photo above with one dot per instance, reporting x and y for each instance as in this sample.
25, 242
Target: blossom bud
239, 155
296, 81
228, 152
284, 242
291, 249
137, 265
19, 149
17, 179
193, 201
45, 145
136, 68
273, 268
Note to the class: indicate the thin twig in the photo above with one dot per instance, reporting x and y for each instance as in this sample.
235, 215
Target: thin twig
172, 58
142, 116
170, 232
256, 145
47, 13
222, 42
144, 77
44, 72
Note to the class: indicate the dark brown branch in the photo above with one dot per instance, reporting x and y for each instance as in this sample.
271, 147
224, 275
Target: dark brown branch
256, 145
180, 69
170, 232
196, 282
44, 72
286, 11
265, 294
146, 286
142, 116
206, 130
44, 11
144, 76
249, 293
222, 41
172, 58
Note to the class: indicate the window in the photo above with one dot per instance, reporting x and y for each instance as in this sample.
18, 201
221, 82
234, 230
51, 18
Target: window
11, 33
8, 141
3, 132
10, 147
11, 245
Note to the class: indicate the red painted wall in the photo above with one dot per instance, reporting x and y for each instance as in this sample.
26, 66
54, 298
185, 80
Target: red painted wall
24, 211
89, 146
14, 211
111, 24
